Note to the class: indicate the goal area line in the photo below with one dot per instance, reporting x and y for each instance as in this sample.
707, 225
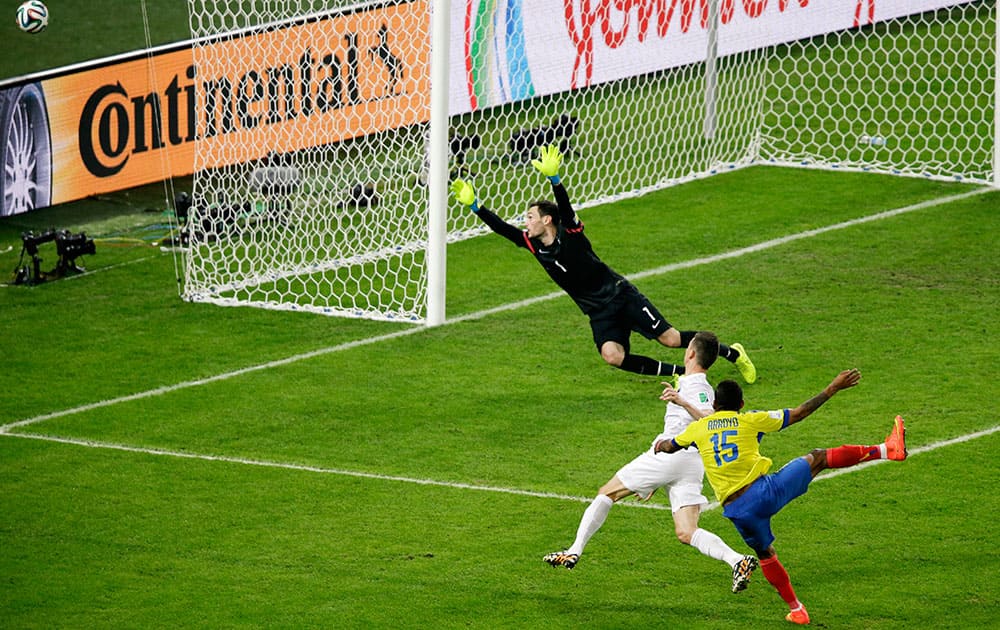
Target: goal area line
695, 262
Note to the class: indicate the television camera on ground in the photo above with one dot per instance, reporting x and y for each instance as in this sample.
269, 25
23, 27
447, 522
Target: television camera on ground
69, 247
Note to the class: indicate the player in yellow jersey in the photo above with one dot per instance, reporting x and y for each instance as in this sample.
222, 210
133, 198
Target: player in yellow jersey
728, 442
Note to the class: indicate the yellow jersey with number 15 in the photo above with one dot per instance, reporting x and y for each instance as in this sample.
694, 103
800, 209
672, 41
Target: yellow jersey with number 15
729, 444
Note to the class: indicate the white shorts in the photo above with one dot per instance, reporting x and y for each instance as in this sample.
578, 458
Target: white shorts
681, 473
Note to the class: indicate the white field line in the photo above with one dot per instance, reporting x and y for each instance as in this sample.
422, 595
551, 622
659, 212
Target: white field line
89, 272
506, 307
110, 267
444, 484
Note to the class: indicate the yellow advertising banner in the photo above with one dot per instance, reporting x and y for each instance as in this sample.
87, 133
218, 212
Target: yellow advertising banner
133, 121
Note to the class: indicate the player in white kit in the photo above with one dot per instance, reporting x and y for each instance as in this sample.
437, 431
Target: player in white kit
680, 474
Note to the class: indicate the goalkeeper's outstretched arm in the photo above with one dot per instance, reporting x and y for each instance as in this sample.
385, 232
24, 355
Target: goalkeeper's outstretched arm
550, 159
567, 216
466, 195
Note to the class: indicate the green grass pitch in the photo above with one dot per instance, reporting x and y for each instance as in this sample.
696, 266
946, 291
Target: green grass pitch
166, 464
515, 400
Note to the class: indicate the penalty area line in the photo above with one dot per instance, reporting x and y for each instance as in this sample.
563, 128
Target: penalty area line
695, 262
444, 484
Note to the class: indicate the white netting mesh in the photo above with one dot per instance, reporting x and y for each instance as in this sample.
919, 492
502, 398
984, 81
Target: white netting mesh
310, 146
913, 95
312, 159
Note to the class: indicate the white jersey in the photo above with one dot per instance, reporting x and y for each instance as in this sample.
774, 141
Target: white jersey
694, 388
681, 474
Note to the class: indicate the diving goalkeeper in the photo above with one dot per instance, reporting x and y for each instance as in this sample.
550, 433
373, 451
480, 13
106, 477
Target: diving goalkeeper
554, 235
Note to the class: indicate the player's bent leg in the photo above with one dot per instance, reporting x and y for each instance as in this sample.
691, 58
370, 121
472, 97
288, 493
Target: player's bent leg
791, 481
894, 448
615, 489
591, 521
712, 546
613, 353
670, 338
686, 523
775, 573
709, 544
648, 366
817, 461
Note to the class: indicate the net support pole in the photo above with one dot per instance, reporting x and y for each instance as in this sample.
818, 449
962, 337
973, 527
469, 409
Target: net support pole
711, 77
437, 180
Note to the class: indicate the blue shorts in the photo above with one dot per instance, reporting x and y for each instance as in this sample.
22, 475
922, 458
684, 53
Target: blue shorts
751, 512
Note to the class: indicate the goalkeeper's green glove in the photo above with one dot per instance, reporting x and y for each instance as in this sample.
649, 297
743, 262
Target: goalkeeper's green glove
549, 163
464, 194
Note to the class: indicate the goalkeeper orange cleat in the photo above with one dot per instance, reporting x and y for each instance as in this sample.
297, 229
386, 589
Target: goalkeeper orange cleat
799, 616
895, 444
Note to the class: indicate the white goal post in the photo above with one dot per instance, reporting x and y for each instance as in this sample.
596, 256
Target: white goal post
327, 131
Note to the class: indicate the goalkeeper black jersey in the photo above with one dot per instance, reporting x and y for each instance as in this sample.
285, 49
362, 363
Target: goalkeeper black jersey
570, 260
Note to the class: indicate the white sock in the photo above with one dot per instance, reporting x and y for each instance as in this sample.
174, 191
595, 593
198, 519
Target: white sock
882, 451
593, 518
714, 547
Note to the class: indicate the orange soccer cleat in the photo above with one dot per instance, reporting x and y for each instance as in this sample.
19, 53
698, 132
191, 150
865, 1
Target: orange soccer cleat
798, 615
895, 444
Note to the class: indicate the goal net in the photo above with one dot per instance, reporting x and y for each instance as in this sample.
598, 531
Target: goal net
311, 120
314, 119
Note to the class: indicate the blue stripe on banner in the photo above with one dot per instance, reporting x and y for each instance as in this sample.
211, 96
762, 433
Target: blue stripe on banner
521, 86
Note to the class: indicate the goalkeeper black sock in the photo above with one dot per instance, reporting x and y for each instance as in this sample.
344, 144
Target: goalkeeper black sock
648, 367
687, 336
669, 369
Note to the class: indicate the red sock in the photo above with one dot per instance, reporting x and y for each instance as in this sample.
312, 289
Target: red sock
778, 577
850, 454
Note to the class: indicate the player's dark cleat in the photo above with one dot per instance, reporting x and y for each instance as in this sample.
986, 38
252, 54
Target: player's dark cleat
799, 616
562, 559
895, 444
742, 571
744, 364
